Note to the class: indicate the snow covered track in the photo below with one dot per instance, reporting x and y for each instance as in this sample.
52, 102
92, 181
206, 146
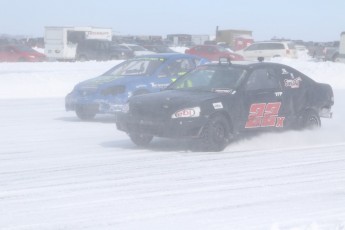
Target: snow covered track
57, 172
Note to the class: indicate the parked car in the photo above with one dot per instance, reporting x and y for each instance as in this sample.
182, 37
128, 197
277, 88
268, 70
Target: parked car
341, 57
20, 53
121, 52
213, 52
109, 92
331, 51
101, 50
159, 48
215, 103
137, 49
269, 50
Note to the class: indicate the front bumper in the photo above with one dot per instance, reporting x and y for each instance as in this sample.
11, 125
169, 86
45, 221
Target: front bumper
172, 128
101, 106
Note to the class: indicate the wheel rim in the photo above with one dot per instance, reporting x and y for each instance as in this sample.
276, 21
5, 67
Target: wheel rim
313, 122
219, 132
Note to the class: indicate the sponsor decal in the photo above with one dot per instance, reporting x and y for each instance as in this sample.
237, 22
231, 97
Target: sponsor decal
265, 115
284, 71
222, 90
217, 105
159, 85
278, 94
98, 34
292, 83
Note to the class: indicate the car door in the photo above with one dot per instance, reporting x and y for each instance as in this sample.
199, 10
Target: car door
295, 94
262, 102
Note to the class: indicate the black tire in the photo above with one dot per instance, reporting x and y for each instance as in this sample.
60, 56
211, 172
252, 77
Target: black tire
82, 58
85, 114
310, 120
335, 58
215, 134
22, 59
140, 139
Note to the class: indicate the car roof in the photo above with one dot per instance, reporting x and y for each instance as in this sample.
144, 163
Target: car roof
168, 55
273, 42
248, 64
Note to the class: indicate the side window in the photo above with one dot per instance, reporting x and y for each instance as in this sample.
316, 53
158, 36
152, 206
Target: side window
276, 46
262, 46
252, 47
212, 50
263, 79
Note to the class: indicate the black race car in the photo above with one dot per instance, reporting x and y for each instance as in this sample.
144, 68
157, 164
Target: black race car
216, 102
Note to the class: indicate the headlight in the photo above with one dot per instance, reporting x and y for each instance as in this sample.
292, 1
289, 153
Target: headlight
188, 112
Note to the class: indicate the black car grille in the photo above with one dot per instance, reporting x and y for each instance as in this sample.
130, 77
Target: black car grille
150, 113
155, 128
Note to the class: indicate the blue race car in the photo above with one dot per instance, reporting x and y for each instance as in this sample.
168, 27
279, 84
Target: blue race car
108, 93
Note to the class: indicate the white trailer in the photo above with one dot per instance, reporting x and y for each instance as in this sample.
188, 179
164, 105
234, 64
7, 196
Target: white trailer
61, 42
341, 57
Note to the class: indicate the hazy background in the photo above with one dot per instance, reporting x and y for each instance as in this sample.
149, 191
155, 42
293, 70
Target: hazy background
306, 20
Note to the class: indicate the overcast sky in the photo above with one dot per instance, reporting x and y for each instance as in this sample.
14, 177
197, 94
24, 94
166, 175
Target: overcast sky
308, 20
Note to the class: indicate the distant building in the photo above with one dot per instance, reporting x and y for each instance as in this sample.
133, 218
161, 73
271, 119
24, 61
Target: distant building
180, 39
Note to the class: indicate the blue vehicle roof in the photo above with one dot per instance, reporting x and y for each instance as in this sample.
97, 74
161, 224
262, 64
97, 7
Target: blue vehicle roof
168, 55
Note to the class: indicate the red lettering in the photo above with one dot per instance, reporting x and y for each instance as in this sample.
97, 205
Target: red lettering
264, 115
280, 122
256, 112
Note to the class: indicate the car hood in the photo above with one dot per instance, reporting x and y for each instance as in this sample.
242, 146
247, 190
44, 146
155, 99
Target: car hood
107, 80
169, 101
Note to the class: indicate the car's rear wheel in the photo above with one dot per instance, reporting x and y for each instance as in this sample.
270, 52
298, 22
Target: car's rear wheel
140, 139
310, 120
215, 135
82, 58
85, 113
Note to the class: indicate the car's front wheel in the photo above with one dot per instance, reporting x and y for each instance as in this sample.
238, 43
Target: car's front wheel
215, 135
85, 114
140, 139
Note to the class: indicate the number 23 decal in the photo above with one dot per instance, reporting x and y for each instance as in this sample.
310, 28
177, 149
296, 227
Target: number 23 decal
264, 115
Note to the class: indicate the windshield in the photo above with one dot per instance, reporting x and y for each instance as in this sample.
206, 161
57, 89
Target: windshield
137, 48
25, 49
210, 79
136, 67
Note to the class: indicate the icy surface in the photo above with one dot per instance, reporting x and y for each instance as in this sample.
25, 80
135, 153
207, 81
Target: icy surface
57, 172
